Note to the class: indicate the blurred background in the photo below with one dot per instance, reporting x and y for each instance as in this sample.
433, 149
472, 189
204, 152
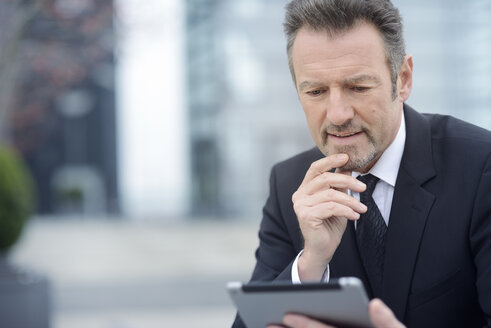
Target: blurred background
149, 129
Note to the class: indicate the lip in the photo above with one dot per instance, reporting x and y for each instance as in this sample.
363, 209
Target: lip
345, 138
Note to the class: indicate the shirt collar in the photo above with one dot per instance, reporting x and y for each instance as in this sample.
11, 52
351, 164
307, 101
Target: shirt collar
387, 166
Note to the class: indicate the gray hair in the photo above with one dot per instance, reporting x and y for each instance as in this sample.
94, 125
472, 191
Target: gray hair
337, 16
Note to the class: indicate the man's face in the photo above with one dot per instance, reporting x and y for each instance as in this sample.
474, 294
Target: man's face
345, 89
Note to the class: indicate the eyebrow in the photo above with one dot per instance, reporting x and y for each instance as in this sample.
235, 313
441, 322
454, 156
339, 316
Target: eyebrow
351, 80
362, 78
309, 84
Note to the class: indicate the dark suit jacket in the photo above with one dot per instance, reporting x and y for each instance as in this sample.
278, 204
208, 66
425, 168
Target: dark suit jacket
437, 270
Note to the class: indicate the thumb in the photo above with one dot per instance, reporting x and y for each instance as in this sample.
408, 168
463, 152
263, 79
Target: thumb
382, 316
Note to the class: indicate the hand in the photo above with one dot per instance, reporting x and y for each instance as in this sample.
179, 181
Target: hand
380, 314
323, 206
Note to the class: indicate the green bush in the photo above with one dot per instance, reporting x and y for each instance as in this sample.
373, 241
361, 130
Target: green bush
16, 197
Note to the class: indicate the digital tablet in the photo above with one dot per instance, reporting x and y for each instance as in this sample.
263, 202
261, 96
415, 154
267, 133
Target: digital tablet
341, 302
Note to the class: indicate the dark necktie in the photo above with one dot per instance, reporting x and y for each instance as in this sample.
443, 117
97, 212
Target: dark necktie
370, 233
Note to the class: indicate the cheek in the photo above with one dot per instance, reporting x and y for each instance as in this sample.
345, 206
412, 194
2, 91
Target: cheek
384, 125
315, 117
315, 121
376, 121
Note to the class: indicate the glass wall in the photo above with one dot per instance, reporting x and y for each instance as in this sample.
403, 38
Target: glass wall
244, 114
451, 45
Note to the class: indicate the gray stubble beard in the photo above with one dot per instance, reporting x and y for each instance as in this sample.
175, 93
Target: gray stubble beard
355, 163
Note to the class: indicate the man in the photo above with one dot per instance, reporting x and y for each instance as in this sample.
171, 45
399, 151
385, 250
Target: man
393, 197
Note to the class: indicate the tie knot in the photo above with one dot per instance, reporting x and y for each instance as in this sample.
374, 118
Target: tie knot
370, 180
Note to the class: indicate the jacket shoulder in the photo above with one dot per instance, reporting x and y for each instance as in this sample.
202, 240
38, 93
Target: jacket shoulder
449, 127
459, 146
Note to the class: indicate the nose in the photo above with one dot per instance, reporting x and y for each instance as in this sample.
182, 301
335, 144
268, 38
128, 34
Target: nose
339, 110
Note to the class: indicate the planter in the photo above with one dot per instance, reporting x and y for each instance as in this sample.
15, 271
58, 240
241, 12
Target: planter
25, 298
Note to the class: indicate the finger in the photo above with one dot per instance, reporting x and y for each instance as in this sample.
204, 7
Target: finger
324, 211
348, 173
300, 321
338, 181
325, 164
382, 316
332, 195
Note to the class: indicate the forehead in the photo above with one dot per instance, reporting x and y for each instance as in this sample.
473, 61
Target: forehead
359, 49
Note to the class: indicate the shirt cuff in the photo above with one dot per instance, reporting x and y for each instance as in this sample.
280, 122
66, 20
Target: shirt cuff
296, 278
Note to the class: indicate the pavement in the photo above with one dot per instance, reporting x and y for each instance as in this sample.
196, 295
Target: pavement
121, 273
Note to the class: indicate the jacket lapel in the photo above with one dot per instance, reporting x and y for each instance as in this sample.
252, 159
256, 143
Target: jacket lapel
411, 206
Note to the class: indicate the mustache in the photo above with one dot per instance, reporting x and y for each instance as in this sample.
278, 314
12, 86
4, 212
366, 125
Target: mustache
346, 127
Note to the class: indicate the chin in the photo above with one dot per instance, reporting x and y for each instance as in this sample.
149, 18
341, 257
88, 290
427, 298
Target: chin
361, 165
354, 166
357, 162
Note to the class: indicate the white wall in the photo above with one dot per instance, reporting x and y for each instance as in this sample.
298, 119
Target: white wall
153, 153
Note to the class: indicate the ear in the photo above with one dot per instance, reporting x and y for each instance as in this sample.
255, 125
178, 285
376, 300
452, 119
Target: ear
405, 79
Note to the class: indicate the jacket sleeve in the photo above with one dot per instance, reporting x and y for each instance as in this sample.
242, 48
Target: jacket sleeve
276, 252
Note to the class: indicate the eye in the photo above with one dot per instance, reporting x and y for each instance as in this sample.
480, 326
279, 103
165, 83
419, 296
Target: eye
359, 88
315, 92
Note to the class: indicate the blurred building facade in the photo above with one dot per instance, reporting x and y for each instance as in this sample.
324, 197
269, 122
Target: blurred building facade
451, 45
243, 111
62, 111
241, 107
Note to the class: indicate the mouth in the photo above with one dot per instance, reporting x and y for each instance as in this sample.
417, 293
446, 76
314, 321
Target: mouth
344, 135
344, 138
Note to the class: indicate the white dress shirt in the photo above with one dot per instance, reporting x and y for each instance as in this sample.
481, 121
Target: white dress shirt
386, 169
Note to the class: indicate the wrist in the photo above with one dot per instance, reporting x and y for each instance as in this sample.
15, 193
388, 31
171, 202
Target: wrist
311, 267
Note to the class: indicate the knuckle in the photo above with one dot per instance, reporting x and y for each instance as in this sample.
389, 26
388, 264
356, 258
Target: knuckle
300, 211
294, 197
325, 177
297, 196
330, 206
315, 166
330, 193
